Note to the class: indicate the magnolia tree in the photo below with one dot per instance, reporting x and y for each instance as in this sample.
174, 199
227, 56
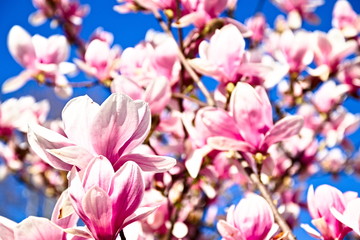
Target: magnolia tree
160, 155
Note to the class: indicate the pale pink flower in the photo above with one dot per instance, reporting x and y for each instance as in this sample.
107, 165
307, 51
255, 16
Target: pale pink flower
302, 9
127, 6
349, 74
222, 56
291, 49
251, 117
105, 200
330, 49
102, 35
351, 216
251, 219
145, 62
157, 94
200, 12
320, 202
340, 123
329, 96
345, 18
18, 113
332, 161
66, 10
257, 25
43, 59
113, 130
100, 61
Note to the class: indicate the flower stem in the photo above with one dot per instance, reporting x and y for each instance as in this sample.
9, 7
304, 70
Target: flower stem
122, 235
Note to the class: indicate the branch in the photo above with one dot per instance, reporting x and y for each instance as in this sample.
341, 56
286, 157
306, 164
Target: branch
267, 196
185, 63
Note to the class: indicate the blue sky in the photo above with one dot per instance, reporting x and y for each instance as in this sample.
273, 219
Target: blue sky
128, 30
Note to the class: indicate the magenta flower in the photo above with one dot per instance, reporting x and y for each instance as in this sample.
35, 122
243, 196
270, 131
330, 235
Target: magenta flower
251, 219
105, 200
251, 117
320, 203
112, 130
351, 216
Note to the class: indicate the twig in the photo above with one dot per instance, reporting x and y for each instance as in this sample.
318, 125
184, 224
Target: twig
183, 96
122, 235
185, 63
266, 195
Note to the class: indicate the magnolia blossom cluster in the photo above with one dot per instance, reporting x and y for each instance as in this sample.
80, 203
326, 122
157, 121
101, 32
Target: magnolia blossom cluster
160, 156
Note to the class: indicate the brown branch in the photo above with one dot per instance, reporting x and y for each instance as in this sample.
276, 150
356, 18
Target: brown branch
267, 196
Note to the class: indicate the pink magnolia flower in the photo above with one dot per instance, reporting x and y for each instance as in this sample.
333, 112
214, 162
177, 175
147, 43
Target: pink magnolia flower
329, 96
299, 9
251, 117
200, 12
100, 61
222, 56
66, 10
244, 220
127, 6
349, 74
330, 49
257, 25
43, 59
320, 202
340, 124
145, 62
105, 200
351, 215
113, 130
18, 113
293, 50
345, 18
157, 94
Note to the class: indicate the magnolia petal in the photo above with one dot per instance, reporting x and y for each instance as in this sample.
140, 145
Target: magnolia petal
228, 232
158, 94
73, 155
205, 67
311, 231
77, 116
7, 229
224, 143
97, 207
98, 173
283, 129
41, 139
20, 46
81, 232
113, 125
15, 83
126, 191
142, 130
63, 214
39, 229
139, 214
149, 163
194, 161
